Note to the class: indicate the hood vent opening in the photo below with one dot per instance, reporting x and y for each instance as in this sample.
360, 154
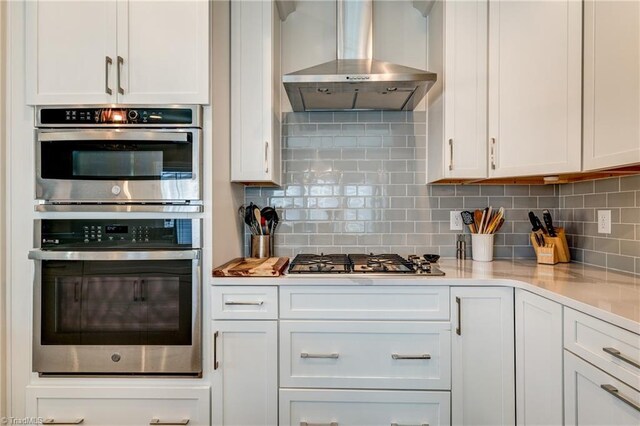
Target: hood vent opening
356, 81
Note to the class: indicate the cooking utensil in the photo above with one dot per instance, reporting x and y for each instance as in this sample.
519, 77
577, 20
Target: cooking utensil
258, 217
467, 219
477, 217
535, 222
482, 227
548, 221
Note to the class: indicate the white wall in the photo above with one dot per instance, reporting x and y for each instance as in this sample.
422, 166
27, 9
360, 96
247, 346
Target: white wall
309, 36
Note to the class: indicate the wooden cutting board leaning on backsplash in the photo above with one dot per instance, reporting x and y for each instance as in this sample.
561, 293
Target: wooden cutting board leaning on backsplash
252, 267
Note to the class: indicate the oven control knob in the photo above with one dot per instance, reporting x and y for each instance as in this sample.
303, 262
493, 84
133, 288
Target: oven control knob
115, 357
133, 115
115, 190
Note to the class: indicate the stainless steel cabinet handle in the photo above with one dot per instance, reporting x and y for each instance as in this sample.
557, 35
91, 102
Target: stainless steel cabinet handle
318, 424
614, 391
232, 303
398, 424
107, 64
423, 356
62, 422
120, 63
160, 422
616, 353
266, 156
450, 154
332, 356
459, 327
493, 153
215, 350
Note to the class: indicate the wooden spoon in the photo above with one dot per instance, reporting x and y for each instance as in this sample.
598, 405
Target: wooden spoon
477, 217
258, 217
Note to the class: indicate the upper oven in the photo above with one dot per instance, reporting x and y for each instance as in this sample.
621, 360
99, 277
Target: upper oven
119, 159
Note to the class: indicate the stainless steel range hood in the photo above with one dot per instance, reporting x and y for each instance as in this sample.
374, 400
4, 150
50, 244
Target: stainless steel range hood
356, 81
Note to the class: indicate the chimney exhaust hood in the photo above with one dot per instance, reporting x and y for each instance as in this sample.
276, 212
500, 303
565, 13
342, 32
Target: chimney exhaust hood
356, 81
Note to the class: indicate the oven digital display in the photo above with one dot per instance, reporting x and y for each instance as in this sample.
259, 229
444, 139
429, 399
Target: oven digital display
116, 229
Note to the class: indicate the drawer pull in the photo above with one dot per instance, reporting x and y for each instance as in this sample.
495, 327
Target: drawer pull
318, 424
232, 303
398, 424
614, 391
423, 356
332, 356
616, 353
177, 422
62, 422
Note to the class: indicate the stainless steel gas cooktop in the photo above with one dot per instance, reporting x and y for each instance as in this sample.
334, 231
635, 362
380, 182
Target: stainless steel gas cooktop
365, 264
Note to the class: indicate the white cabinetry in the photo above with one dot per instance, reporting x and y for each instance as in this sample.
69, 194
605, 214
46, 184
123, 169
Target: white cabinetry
458, 101
109, 406
117, 52
611, 84
531, 83
245, 352
482, 365
535, 67
255, 92
593, 397
538, 360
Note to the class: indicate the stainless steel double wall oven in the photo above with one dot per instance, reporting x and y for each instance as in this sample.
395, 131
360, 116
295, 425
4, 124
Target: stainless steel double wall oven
118, 294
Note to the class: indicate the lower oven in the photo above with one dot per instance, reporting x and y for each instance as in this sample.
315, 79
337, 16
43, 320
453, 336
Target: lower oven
117, 297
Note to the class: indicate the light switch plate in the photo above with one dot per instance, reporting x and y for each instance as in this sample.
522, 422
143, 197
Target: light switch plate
604, 221
455, 221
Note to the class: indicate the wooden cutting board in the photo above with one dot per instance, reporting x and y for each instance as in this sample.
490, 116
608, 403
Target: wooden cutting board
252, 267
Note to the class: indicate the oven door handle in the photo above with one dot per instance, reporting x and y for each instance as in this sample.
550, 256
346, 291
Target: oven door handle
115, 255
111, 135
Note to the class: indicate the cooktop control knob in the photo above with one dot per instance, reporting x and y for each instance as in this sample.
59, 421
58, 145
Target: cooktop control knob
133, 115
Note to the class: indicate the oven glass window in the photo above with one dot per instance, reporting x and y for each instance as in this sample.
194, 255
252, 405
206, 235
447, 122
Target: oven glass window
117, 160
117, 302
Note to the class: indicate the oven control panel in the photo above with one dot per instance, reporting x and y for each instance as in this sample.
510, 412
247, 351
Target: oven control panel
95, 234
60, 116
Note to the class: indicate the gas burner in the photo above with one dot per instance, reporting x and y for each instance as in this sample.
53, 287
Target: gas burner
381, 263
314, 263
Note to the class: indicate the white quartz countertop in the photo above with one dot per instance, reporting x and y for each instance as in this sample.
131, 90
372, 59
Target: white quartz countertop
610, 296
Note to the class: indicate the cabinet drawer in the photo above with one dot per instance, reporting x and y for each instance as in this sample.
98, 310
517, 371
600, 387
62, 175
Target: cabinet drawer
375, 303
366, 408
365, 354
231, 302
613, 349
119, 406
595, 398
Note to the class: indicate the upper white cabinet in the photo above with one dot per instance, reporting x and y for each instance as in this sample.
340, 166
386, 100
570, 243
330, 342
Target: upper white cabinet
482, 356
457, 131
255, 92
611, 84
538, 360
117, 52
535, 67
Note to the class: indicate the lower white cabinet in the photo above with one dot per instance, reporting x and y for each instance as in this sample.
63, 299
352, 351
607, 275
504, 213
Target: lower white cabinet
365, 354
592, 397
538, 360
108, 406
482, 351
308, 407
245, 375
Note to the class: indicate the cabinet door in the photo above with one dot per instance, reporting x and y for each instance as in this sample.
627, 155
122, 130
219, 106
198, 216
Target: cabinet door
245, 380
611, 83
163, 52
70, 52
535, 74
482, 365
538, 360
592, 397
458, 100
255, 92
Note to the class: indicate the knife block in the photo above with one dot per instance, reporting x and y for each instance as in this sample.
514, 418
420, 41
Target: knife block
556, 249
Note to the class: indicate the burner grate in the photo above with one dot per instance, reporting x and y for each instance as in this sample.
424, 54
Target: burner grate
322, 263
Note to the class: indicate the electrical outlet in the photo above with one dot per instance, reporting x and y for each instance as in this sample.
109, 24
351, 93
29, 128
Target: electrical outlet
455, 221
604, 221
